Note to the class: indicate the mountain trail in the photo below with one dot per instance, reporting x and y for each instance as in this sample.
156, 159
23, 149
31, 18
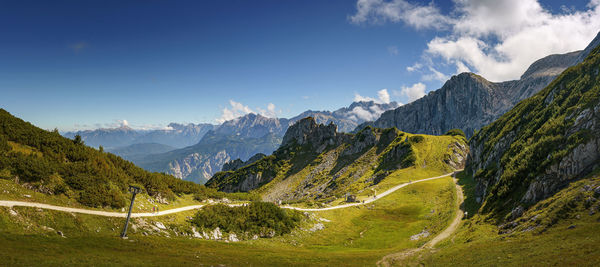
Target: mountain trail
10, 203
396, 258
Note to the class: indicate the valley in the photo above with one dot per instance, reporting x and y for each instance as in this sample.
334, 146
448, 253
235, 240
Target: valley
300, 133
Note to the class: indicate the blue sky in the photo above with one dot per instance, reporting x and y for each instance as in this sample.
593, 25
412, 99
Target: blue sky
89, 64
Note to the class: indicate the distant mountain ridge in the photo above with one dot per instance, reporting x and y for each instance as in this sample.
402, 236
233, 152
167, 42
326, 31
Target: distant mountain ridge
348, 118
175, 135
214, 145
135, 151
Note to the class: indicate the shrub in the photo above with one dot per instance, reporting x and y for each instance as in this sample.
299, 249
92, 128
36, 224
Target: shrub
257, 218
416, 139
456, 132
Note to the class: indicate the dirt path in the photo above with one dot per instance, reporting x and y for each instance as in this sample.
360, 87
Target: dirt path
94, 212
387, 192
8, 203
396, 258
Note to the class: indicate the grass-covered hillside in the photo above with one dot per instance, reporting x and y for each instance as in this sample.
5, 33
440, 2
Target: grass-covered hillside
562, 230
316, 163
46, 163
356, 236
542, 144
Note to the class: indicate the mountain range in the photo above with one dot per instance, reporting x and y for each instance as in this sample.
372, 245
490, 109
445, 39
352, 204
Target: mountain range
468, 101
239, 138
315, 162
175, 135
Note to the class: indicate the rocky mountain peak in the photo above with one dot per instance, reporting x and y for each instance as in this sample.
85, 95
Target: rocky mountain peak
586, 52
468, 101
551, 65
253, 126
239, 163
307, 132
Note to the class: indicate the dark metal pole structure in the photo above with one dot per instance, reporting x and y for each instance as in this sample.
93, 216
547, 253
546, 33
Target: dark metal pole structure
134, 190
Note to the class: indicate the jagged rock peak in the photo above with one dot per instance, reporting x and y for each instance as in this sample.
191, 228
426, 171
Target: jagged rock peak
239, 163
307, 132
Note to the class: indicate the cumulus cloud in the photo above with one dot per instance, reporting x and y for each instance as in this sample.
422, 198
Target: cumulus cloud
238, 109
434, 75
235, 110
383, 97
414, 67
360, 114
497, 39
380, 11
269, 112
413, 92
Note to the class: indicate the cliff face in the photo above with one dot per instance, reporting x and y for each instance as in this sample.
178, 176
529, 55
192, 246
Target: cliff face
238, 163
307, 132
542, 144
468, 101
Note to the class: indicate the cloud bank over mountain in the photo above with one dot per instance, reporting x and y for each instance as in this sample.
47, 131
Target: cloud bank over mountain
496, 39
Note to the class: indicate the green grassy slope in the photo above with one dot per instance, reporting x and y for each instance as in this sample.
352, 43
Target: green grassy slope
355, 236
46, 163
371, 160
540, 145
561, 230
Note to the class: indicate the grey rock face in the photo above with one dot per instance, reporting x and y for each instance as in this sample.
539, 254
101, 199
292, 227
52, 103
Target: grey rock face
581, 160
238, 163
496, 158
307, 132
236, 139
468, 101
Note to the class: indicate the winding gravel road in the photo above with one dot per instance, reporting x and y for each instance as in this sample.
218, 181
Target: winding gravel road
385, 193
10, 203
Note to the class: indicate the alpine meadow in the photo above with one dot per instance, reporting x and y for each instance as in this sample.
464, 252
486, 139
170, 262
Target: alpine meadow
300, 133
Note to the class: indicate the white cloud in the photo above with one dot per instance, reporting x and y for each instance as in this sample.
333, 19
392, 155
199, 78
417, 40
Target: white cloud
496, 39
269, 112
237, 109
414, 67
360, 98
383, 97
362, 114
461, 67
434, 75
393, 50
413, 92
418, 16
